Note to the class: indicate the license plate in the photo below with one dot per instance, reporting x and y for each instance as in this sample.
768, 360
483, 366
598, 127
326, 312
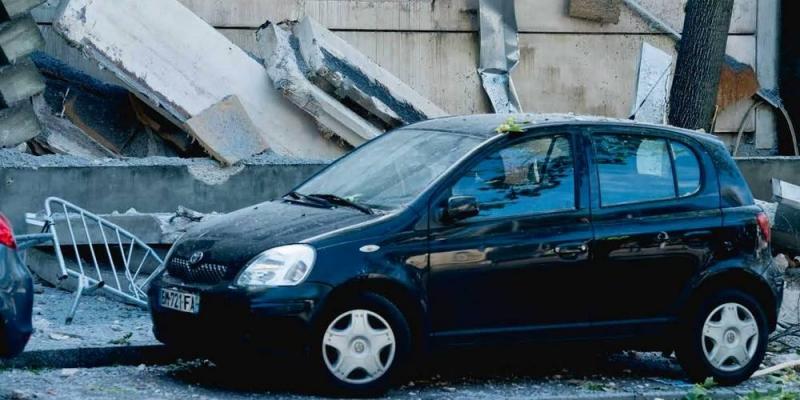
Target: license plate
180, 301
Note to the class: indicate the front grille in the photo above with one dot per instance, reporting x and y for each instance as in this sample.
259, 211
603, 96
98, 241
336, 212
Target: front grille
182, 269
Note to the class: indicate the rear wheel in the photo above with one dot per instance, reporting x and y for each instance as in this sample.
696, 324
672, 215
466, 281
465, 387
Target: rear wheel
361, 345
724, 338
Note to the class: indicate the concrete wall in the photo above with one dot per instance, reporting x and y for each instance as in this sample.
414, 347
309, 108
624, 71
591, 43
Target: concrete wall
157, 187
567, 65
759, 170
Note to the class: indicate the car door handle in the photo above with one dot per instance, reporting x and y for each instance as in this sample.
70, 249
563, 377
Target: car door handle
571, 250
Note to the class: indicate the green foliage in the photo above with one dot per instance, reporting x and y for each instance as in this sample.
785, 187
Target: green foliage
774, 394
510, 126
701, 391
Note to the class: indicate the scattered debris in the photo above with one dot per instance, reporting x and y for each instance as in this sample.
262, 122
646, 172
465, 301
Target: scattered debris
153, 47
347, 74
652, 85
124, 340
284, 66
499, 54
603, 11
68, 372
776, 368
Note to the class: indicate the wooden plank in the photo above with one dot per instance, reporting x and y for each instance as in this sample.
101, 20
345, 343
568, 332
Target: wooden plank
10, 9
18, 38
534, 16
178, 64
19, 82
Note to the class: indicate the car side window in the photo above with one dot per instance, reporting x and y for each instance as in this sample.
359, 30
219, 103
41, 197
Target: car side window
687, 169
633, 169
528, 177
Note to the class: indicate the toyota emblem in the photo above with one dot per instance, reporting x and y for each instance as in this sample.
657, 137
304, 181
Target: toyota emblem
196, 257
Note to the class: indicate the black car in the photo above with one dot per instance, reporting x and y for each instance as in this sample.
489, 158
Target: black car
16, 295
456, 232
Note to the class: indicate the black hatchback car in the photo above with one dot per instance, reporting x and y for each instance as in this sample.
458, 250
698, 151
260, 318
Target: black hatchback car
452, 232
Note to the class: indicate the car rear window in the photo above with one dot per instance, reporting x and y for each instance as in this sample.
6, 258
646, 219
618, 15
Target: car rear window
634, 169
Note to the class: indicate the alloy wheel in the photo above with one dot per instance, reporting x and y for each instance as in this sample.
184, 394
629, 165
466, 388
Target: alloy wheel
730, 337
358, 347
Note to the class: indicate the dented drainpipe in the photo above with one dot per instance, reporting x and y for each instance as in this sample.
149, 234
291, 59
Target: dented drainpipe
499, 53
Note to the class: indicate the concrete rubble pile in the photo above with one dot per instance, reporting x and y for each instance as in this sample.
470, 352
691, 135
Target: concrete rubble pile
309, 95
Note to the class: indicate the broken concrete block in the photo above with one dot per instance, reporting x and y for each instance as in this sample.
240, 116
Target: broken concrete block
10, 9
18, 38
227, 131
284, 68
603, 11
345, 72
60, 136
18, 124
19, 82
181, 66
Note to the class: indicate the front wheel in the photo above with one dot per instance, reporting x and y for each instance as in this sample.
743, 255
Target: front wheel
361, 345
724, 338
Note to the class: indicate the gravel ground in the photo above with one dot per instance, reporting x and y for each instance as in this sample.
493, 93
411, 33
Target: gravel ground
99, 322
467, 374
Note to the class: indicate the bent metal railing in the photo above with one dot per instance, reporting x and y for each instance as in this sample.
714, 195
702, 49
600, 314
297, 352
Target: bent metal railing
117, 261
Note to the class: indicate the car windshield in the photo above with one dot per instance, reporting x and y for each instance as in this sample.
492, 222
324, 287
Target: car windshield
389, 172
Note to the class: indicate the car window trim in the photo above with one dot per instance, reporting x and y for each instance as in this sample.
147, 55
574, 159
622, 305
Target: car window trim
701, 185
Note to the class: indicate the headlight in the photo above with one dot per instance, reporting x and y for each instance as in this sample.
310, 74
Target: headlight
280, 266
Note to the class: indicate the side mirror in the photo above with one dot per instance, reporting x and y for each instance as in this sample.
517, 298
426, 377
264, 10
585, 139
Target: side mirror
461, 207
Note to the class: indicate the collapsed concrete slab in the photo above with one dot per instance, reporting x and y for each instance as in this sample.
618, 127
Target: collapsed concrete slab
18, 124
347, 74
178, 64
285, 68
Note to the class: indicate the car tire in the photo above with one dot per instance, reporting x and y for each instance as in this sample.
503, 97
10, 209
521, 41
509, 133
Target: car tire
360, 346
723, 337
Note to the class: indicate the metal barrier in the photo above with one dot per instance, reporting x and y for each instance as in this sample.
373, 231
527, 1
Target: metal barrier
118, 267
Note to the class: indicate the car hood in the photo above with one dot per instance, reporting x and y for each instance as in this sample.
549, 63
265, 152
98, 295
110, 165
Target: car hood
235, 238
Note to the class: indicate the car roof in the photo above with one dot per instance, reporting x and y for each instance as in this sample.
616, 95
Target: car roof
485, 125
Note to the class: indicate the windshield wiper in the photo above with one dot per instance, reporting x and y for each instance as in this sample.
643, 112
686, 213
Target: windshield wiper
304, 199
334, 199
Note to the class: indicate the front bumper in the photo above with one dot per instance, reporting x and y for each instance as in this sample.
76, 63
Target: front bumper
229, 317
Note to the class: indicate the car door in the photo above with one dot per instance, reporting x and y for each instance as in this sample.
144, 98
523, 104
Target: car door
655, 213
516, 266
